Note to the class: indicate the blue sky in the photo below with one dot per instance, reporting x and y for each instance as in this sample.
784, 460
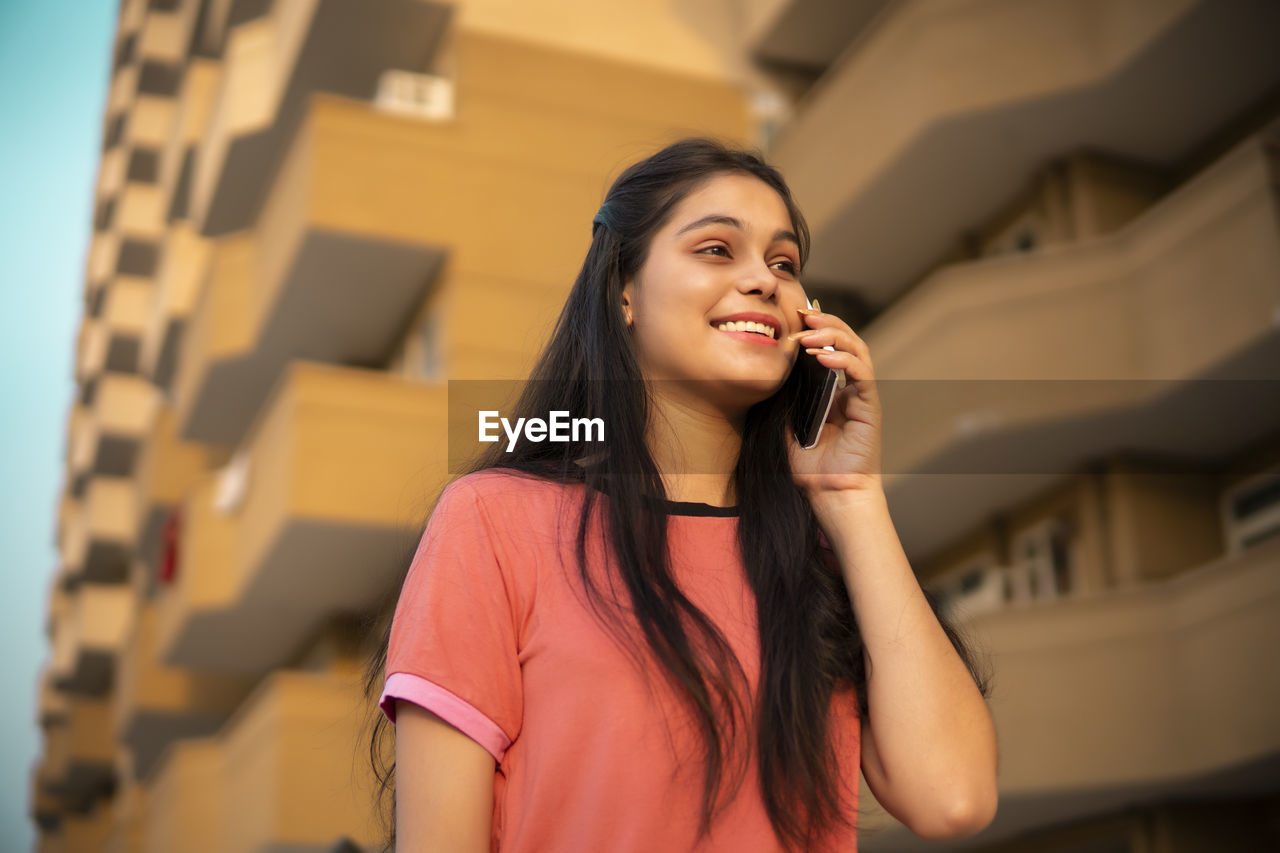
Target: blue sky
54, 63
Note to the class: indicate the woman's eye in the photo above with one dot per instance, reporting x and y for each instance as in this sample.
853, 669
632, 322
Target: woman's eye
716, 248
786, 266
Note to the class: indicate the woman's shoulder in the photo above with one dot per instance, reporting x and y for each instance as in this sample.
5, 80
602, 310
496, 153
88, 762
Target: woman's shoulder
508, 490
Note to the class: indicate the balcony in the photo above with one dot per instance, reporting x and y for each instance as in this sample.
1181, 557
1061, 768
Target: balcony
111, 172
132, 15
155, 705
123, 256
110, 340
191, 119
63, 645
942, 111
89, 830
44, 808
346, 215
288, 758
104, 254
1124, 697
140, 211
186, 809
124, 87
203, 586
80, 755
183, 265
150, 122
993, 395
91, 638
107, 440
805, 36
167, 470
73, 548
259, 309
334, 475
164, 34
59, 606
129, 813
270, 67
54, 704
139, 109
98, 542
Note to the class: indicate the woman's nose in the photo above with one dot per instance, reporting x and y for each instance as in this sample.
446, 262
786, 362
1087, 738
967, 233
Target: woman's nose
758, 278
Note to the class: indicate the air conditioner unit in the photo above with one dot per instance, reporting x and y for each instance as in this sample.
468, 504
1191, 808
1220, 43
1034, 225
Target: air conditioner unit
424, 96
1251, 511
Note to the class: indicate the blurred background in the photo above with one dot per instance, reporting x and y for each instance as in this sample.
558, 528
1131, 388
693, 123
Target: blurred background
1054, 221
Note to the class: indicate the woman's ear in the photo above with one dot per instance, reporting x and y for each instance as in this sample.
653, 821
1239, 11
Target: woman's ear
626, 302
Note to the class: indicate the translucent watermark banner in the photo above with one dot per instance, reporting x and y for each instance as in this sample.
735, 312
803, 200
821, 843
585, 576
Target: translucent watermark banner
929, 427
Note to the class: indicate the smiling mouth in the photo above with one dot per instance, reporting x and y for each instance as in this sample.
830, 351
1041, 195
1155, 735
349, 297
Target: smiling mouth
750, 326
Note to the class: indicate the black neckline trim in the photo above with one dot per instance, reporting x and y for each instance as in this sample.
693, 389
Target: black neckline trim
691, 508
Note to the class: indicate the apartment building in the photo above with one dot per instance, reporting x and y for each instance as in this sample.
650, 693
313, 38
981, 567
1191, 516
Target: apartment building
1055, 223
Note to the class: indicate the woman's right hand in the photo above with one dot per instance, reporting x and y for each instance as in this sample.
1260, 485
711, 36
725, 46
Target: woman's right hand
444, 786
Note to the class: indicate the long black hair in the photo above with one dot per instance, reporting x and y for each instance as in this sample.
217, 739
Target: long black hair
810, 645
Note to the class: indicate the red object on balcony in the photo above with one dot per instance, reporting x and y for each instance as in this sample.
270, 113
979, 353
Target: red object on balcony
168, 568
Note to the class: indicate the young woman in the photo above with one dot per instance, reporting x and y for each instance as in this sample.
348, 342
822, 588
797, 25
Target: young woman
692, 634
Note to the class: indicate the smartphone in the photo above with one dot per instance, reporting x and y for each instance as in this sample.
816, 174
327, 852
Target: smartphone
818, 386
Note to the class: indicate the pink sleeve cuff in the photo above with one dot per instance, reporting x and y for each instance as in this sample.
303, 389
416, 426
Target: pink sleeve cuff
446, 705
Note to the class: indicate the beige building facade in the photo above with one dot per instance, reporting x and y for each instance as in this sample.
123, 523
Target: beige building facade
1055, 222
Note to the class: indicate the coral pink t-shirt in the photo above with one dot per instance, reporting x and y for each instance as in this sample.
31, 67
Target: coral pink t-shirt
491, 633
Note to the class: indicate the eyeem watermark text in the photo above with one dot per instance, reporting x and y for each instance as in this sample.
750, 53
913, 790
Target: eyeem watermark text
559, 427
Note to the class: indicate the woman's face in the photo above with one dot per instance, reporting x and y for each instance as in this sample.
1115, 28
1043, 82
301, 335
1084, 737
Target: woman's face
726, 256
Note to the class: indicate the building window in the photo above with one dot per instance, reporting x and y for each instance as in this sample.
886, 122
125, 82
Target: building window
1251, 511
1043, 564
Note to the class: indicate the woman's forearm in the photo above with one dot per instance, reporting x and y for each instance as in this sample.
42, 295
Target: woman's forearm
934, 735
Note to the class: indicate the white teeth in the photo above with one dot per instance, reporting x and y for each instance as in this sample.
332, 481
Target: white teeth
747, 326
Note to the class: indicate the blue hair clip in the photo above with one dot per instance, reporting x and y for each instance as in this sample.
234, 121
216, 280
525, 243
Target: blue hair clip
600, 217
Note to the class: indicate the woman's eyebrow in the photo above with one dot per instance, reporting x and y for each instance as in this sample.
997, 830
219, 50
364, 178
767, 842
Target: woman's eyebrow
722, 219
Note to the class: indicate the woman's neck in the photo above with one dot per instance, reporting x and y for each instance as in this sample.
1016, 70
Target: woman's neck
695, 447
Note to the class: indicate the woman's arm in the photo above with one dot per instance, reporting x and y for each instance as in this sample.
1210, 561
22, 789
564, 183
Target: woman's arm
928, 740
444, 786
929, 743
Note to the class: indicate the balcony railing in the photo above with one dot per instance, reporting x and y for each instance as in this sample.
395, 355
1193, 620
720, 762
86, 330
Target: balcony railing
101, 548
54, 703
1125, 695
111, 340
302, 790
944, 109
155, 705
106, 442
256, 577
270, 67
985, 364
183, 264
177, 156
80, 754
186, 807
97, 626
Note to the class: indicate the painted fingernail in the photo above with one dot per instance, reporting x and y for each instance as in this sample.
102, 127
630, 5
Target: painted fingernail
819, 351
815, 305
795, 336
805, 312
